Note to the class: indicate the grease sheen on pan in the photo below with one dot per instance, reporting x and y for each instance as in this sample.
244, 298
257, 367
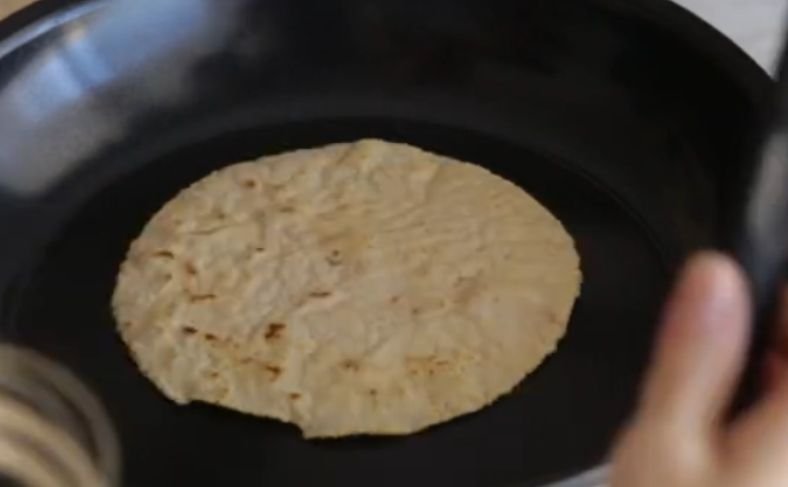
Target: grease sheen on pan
364, 288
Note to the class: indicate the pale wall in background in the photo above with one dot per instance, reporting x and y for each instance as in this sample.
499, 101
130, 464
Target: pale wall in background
754, 24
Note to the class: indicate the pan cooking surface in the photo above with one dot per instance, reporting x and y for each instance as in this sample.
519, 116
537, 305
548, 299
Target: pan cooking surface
561, 417
628, 119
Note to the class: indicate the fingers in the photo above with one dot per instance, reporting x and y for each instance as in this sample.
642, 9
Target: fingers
781, 336
774, 370
701, 348
776, 363
759, 439
761, 435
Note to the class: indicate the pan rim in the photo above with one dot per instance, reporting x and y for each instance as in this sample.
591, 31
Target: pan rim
40, 17
681, 24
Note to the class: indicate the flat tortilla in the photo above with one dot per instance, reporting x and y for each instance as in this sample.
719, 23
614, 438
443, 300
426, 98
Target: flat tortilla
365, 288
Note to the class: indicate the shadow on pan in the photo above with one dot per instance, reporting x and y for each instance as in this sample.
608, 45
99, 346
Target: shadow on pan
630, 120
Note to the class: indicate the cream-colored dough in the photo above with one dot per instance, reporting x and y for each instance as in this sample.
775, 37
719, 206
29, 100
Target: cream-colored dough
366, 288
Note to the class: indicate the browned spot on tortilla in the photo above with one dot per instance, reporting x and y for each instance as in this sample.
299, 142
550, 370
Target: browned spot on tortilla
334, 258
196, 298
320, 294
246, 360
395, 299
350, 365
295, 396
249, 183
274, 370
189, 330
373, 392
190, 268
424, 365
259, 249
166, 254
211, 337
287, 209
274, 331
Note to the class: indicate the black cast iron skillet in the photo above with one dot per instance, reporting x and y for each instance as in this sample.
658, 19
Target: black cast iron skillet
631, 120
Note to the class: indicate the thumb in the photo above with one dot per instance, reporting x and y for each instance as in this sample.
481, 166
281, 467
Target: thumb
700, 350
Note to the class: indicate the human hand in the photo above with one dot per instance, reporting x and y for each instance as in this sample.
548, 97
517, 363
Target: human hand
678, 437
